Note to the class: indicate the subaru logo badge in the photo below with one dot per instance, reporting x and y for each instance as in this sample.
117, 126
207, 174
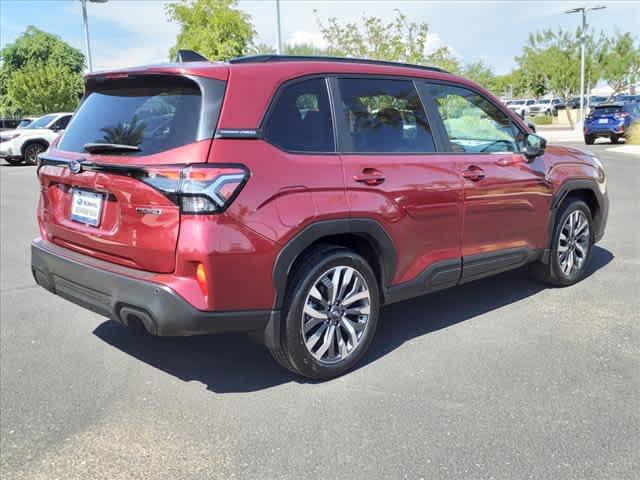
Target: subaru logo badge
75, 166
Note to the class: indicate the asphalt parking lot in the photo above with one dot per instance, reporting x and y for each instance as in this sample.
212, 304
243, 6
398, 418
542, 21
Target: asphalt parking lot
500, 379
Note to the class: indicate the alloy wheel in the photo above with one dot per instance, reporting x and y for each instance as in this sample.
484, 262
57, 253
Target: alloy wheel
573, 244
336, 314
32, 152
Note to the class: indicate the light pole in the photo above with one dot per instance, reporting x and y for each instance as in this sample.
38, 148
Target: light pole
279, 44
85, 22
583, 11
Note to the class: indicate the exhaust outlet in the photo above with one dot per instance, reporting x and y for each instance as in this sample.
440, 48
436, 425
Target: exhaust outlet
138, 320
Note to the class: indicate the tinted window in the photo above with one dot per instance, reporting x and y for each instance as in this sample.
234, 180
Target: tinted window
607, 110
300, 120
384, 116
473, 124
152, 114
61, 123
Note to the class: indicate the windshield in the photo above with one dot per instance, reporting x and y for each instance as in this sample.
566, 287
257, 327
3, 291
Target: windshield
152, 114
42, 122
517, 102
24, 123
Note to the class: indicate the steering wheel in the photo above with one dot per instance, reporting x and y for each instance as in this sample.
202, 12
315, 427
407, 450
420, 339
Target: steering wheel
497, 142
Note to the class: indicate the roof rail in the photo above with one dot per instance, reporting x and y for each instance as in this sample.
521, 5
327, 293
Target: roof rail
304, 58
184, 56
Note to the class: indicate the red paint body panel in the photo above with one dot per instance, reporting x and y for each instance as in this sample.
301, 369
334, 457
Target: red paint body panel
124, 236
419, 204
509, 207
425, 204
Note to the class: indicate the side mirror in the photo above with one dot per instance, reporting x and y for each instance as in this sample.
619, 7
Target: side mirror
534, 146
531, 126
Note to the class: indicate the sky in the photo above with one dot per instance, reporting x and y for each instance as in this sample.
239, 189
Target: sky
134, 32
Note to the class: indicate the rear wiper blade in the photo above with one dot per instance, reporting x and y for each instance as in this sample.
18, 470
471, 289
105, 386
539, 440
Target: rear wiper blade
109, 147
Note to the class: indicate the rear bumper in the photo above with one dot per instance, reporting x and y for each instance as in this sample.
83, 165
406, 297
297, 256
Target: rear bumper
134, 301
604, 131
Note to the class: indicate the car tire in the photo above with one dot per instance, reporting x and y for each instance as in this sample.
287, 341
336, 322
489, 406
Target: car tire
14, 161
572, 242
614, 139
31, 152
588, 139
322, 336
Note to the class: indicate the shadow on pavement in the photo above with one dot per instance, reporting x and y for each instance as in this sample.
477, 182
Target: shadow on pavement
232, 363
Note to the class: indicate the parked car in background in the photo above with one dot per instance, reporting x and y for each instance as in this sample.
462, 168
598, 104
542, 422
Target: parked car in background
292, 197
26, 121
611, 120
547, 106
8, 123
595, 100
521, 107
626, 98
574, 103
25, 144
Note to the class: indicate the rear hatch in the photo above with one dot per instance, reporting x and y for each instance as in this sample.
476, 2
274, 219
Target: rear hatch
101, 191
605, 115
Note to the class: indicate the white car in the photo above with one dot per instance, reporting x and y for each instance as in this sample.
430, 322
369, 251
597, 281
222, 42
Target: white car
25, 144
521, 107
546, 106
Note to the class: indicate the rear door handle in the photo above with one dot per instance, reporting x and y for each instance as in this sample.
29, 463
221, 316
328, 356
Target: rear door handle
370, 176
473, 173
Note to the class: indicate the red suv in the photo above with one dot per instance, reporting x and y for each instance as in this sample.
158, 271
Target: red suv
291, 197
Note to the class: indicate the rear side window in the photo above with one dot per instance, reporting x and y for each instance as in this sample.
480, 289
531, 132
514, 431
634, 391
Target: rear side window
384, 116
153, 114
473, 123
300, 119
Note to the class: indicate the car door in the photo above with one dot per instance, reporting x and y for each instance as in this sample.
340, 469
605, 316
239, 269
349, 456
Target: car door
394, 175
506, 195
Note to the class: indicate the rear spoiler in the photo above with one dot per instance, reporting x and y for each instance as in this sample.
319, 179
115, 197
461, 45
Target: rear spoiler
185, 56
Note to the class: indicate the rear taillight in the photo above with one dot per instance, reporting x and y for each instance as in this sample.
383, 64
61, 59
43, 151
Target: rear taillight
198, 189
621, 115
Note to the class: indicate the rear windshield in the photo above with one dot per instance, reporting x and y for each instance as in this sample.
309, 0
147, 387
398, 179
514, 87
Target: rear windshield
607, 110
153, 115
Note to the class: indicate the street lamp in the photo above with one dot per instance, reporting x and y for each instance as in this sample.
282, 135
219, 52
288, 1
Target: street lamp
85, 22
583, 11
279, 44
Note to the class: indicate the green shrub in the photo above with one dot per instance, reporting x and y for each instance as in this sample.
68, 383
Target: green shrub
543, 120
633, 138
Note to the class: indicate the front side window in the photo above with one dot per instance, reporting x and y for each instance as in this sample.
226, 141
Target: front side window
473, 123
300, 120
384, 116
61, 123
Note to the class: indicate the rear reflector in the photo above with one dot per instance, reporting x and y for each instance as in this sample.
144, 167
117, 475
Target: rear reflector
201, 277
198, 189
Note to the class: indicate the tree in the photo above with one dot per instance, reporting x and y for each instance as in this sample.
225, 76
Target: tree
513, 84
32, 50
303, 49
44, 88
619, 61
551, 62
398, 40
483, 74
214, 28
